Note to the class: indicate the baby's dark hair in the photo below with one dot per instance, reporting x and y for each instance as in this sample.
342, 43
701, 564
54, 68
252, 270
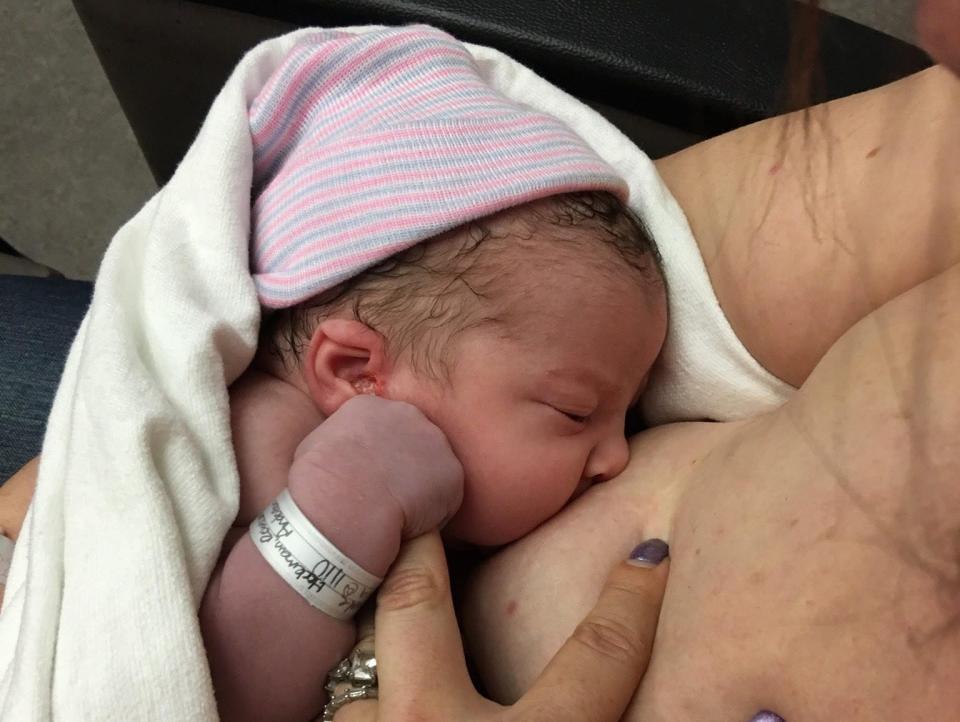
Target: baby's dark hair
421, 298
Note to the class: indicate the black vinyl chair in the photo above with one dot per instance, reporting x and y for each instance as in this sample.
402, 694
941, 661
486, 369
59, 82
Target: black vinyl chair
668, 73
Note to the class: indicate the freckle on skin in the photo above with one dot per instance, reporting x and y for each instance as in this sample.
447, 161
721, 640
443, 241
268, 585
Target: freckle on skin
775, 168
511, 607
873, 152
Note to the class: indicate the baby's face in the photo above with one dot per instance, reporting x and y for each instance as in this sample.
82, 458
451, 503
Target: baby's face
535, 412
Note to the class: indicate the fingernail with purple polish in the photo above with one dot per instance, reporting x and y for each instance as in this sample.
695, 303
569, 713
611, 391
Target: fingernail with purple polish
649, 553
767, 717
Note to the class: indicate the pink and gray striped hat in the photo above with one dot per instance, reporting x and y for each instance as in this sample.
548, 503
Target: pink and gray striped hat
365, 145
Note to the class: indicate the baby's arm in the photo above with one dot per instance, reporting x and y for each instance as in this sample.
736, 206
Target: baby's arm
374, 473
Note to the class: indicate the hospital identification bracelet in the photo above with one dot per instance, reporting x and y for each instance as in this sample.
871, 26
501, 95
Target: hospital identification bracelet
309, 562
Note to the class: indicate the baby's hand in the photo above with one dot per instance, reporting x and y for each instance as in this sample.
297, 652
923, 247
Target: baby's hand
379, 450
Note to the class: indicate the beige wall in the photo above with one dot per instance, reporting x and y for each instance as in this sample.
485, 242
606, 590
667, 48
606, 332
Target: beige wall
70, 169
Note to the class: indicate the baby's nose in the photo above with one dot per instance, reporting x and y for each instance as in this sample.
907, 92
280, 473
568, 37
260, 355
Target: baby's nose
608, 459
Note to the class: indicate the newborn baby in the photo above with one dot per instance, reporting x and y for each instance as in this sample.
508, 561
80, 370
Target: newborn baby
546, 337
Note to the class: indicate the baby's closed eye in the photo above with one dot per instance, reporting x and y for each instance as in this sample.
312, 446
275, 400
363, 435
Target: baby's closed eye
575, 417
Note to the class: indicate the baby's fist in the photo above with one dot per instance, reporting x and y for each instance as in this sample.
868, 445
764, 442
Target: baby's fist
386, 448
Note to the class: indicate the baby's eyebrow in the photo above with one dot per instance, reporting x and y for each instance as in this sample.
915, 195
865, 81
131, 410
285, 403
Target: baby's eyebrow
605, 389
580, 375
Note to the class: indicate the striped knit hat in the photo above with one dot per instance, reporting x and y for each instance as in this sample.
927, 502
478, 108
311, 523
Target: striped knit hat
365, 145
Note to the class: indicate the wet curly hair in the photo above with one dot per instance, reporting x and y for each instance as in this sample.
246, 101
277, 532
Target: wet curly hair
421, 298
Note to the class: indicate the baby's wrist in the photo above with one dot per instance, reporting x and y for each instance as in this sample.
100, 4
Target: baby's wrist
362, 522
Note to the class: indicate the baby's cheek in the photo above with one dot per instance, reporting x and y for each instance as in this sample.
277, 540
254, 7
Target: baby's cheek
499, 508
489, 517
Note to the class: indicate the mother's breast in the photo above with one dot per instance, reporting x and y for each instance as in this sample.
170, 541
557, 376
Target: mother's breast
522, 605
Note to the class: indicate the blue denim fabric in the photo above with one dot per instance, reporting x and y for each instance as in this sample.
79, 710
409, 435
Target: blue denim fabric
39, 318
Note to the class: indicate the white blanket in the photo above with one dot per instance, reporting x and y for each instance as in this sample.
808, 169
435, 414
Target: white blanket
138, 483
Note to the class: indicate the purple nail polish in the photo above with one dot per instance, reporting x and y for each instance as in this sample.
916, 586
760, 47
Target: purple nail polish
650, 553
767, 717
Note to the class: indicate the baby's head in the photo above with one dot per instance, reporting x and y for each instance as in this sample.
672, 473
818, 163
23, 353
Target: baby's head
424, 238
525, 336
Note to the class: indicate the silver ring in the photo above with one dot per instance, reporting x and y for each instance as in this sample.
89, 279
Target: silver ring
354, 678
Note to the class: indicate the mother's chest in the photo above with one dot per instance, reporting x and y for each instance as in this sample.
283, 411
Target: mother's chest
784, 594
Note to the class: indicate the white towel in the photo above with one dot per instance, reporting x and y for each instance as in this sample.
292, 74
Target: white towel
138, 482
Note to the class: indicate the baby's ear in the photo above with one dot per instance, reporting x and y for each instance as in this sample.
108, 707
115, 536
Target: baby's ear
344, 358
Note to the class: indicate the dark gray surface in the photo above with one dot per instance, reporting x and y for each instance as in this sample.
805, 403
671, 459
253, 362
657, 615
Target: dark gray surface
894, 17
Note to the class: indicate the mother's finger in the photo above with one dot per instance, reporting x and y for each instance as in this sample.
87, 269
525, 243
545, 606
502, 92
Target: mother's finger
363, 710
596, 672
419, 653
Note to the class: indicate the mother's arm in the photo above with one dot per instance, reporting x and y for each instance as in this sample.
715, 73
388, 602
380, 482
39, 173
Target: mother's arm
15, 496
809, 221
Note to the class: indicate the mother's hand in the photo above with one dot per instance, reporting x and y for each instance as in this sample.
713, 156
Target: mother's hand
421, 668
